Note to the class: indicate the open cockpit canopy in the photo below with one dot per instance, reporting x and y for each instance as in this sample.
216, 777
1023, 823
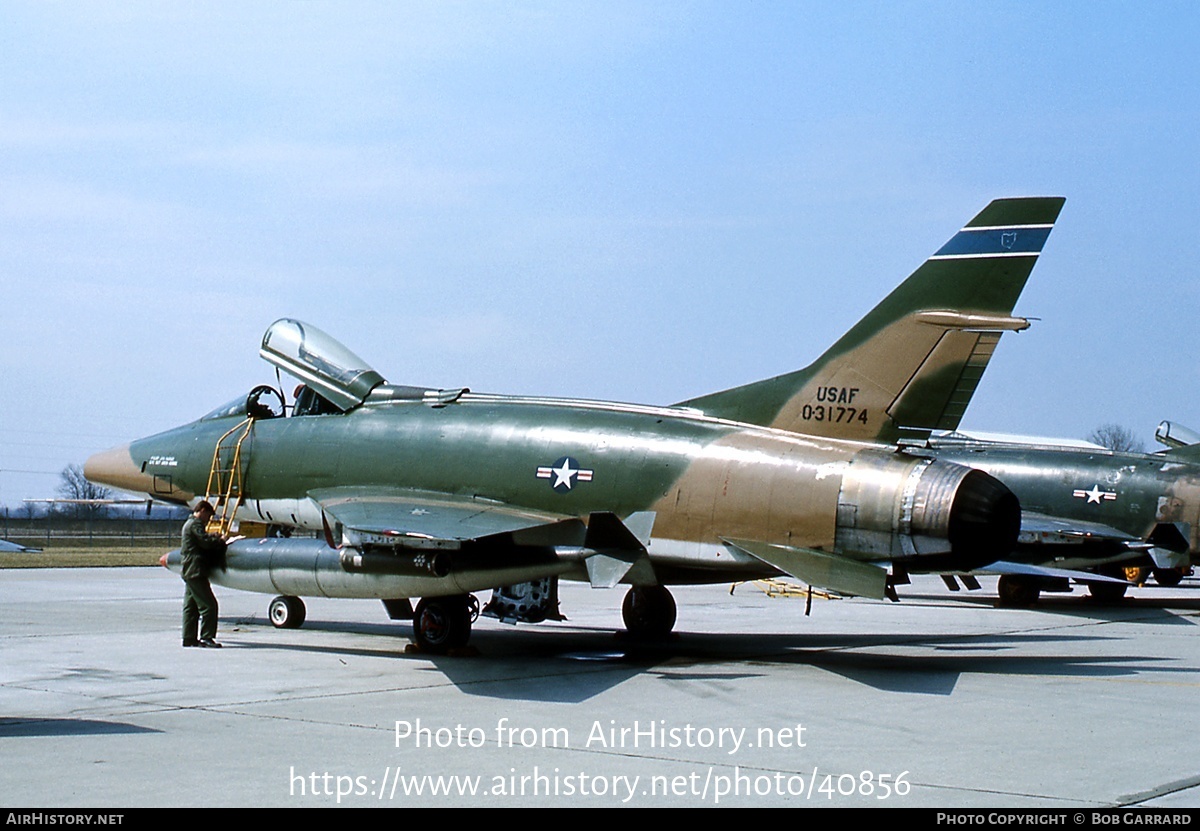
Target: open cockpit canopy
332, 370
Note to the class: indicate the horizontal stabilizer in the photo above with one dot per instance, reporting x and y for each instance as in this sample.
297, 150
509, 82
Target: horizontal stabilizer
820, 569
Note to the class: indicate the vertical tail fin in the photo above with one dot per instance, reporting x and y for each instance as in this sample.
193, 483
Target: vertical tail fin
912, 364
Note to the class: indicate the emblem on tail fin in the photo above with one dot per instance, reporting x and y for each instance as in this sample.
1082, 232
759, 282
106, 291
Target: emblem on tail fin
916, 359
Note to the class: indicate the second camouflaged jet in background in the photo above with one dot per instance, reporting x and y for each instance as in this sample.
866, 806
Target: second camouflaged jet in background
436, 493
1090, 509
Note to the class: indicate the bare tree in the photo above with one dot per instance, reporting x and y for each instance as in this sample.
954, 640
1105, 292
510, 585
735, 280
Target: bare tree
1116, 438
75, 486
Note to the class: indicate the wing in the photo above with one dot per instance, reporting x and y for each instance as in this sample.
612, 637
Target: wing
404, 518
1042, 529
611, 548
1057, 542
1076, 544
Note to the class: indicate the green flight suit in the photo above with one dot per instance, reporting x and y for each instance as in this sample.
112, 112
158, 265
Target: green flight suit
198, 551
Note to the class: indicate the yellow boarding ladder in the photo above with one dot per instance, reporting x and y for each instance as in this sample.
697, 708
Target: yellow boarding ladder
225, 477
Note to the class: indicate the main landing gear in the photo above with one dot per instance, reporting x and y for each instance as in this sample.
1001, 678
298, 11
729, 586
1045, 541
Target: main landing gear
441, 624
648, 611
1108, 592
1168, 576
1018, 591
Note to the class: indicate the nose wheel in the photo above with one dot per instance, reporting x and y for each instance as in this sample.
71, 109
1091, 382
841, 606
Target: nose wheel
286, 612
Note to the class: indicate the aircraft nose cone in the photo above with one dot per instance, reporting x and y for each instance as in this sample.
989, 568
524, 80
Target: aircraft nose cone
115, 468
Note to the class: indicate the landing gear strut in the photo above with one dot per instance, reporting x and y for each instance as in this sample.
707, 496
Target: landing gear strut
648, 611
286, 612
441, 624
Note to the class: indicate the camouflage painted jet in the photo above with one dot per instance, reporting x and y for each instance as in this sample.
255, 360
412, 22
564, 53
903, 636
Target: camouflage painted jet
1088, 514
436, 493
1115, 514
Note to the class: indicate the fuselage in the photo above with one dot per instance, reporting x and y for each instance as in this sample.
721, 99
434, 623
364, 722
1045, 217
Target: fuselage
705, 480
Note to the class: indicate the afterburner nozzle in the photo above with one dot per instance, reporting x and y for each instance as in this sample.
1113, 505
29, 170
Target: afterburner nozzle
895, 506
985, 520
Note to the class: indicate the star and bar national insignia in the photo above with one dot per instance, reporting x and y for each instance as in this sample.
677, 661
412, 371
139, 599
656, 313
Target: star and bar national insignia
1095, 495
564, 474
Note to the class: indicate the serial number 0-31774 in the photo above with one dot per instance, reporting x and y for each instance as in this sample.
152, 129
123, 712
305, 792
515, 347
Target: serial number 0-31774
838, 415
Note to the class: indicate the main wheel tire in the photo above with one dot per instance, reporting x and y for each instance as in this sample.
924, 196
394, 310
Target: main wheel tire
648, 611
1168, 576
286, 612
1017, 592
1107, 592
443, 623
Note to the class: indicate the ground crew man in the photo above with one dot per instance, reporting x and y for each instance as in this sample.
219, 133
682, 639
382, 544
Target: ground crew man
198, 551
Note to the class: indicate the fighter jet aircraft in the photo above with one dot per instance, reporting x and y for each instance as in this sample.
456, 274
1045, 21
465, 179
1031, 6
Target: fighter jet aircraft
439, 493
1088, 509
1089, 515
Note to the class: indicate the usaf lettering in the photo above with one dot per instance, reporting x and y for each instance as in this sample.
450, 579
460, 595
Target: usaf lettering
837, 395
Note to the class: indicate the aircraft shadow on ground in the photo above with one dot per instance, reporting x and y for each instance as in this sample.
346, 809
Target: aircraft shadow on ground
11, 728
574, 664
1141, 610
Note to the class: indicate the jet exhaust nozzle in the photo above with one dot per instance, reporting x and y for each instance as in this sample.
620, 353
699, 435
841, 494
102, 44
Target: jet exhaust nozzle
894, 506
985, 519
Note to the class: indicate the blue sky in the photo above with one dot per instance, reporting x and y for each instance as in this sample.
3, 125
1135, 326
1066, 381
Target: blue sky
643, 202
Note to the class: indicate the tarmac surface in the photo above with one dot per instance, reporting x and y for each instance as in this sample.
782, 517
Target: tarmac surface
939, 701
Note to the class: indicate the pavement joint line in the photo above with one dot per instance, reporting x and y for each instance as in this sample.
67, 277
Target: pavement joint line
992, 791
1178, 786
